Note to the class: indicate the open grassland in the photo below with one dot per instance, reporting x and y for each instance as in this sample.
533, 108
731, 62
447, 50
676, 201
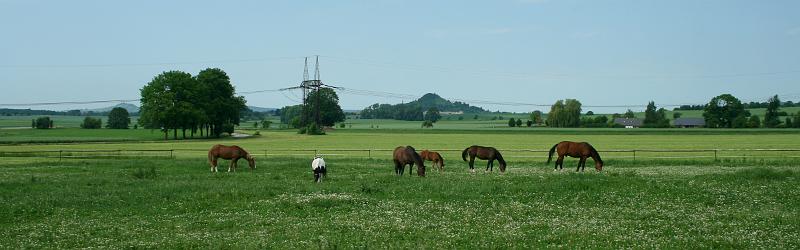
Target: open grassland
60, 121
177, 203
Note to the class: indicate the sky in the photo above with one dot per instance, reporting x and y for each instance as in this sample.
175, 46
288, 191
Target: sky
507, 55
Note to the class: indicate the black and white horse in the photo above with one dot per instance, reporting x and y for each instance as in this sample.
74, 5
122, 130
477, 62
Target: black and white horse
318, 167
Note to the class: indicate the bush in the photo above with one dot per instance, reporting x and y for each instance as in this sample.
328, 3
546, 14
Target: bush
311, 129
342, 125
91, 123
427, 124
43, 123
227, 128
118, 118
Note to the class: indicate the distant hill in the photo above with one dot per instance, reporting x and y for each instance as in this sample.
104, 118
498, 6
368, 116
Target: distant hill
260, 109
433, 100
413, 111
127, 106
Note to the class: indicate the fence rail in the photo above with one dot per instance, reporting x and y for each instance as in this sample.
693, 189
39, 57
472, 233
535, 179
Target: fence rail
633, 154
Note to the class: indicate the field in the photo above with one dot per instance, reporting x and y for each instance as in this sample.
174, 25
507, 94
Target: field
741, 200
178, 204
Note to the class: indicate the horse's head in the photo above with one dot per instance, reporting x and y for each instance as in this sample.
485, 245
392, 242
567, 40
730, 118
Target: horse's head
598, 165
502, 166
251, 161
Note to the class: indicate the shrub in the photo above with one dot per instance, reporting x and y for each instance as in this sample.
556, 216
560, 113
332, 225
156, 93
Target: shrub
43, 123
91, 123
227, 128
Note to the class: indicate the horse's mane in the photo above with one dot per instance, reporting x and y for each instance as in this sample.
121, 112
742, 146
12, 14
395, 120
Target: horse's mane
594, 152
499, 156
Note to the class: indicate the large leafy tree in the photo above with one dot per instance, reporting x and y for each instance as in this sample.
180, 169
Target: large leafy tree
655, 118
329, 110
433, 114
536, 117
771, 118
118, 118
220, 105
725, 111
565, 114
171, 101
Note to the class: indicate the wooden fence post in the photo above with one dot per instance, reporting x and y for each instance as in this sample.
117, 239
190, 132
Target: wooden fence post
634, 155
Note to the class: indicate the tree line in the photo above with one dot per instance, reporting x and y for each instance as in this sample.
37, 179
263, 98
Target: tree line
723, 111
204, 104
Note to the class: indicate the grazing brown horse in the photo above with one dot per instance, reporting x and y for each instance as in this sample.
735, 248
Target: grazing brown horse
233, 153
483, 153
407, 156
580, 150
435, 157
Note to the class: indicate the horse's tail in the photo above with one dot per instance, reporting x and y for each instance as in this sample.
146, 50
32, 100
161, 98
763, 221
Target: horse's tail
464, 154
550, 155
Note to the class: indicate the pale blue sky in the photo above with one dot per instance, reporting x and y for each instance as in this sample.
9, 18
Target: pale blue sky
526, 51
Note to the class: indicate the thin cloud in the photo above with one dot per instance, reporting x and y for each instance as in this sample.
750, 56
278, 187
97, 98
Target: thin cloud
793, 32
532, 1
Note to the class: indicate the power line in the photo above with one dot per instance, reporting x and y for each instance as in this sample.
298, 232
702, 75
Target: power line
484, 72
110, 65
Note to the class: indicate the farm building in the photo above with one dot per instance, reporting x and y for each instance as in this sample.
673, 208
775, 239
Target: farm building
689, 122
629, 122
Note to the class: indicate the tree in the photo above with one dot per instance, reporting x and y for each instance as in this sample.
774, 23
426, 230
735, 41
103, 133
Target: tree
529, 123
676, 115
796, 123
754, 122
771, 118
432, 114
629, 114
655, 118
219, 103
589, 112
329, 110
44, 122
118, 118
427, 124
170, 101
724, 111
519, 122
536, 117
554, 118
265, 124
91, 123
512, 122
565, 114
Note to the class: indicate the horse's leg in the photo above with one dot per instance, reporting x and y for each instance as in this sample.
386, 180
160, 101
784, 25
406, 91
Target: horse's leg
488, 164
472, 164
560, 162
410, 169
580, 162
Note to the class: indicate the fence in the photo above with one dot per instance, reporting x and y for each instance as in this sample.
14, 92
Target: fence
632, 154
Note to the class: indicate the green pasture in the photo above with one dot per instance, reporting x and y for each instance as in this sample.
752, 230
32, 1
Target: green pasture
59, 121
177, 203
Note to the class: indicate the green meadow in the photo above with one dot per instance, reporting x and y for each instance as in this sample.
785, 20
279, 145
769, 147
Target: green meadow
738, 199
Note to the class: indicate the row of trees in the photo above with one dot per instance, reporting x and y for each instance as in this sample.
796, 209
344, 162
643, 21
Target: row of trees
727, 111
118, 118
205, 103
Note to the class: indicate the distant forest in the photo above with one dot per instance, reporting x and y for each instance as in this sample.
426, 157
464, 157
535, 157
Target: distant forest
29, 112
413, 111
750, 105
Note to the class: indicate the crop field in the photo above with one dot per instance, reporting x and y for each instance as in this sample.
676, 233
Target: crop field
659, 200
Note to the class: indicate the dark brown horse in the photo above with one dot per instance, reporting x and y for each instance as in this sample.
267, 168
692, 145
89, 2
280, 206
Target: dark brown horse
435, 157
407, 156
580, 150
233, 153
483, 153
